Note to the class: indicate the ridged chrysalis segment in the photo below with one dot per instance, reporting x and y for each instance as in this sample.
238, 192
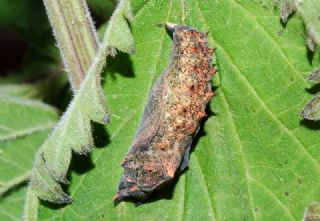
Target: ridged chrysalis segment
171, 117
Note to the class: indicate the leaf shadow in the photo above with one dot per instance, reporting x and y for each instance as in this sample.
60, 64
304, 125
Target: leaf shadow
201, 132
120, 64
310, 55
164, 192
81, 164
310, 124
101, 137
284, 24
314, 89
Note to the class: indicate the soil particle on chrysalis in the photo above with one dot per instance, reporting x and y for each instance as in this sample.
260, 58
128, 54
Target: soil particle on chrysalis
171, 117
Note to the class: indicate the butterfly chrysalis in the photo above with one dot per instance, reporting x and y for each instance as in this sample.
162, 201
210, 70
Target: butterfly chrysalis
171, 118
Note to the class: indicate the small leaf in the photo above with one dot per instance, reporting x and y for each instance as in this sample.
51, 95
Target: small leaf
287, 8
314, 76
121, 37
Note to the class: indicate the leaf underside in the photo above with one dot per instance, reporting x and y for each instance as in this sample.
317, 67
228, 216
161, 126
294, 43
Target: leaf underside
255, 159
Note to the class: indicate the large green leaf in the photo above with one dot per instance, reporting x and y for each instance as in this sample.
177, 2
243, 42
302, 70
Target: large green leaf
24, 124
255, 160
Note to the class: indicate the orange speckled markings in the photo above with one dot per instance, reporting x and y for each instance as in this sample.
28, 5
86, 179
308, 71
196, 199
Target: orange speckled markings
171, 118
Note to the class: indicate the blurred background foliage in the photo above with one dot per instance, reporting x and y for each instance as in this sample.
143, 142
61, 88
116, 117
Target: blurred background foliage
30, 63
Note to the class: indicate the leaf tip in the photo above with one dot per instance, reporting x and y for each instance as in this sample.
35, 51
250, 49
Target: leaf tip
287, 8
310, 40
64, 199
314, 76
170, 26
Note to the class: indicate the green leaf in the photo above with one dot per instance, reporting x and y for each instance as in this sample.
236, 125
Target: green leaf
255, 159
24, 124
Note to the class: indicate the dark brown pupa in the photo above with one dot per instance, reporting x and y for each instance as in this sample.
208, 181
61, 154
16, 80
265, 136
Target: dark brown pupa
171, 117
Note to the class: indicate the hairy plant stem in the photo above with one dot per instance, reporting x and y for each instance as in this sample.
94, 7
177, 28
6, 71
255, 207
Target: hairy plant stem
78, 43
76, 36
74, 130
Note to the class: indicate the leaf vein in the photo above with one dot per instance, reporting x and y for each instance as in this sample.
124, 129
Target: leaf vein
286, 209
234, 128
274, 42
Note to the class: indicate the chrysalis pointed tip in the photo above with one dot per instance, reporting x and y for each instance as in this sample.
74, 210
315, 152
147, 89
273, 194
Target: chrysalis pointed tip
64, 199
170, 26
117, 198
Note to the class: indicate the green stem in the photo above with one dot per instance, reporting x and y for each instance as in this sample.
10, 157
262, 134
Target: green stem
78, 44
75, 34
